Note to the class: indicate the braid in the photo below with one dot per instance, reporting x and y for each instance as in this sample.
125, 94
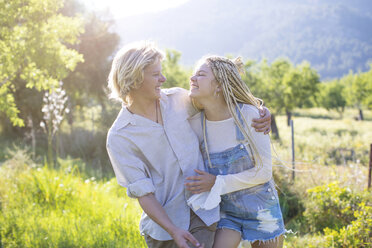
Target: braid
235, 91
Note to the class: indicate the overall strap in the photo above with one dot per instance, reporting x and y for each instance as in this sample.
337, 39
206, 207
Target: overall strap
204, 142
202, 117
239, 134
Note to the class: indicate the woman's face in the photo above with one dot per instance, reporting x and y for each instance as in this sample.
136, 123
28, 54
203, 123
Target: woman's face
203, 83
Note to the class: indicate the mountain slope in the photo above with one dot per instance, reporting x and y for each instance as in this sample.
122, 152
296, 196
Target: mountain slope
334, 36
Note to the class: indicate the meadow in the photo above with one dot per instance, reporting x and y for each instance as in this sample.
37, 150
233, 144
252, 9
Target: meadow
327, 205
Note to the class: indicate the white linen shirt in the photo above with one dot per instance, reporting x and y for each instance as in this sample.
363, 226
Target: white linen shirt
151, 158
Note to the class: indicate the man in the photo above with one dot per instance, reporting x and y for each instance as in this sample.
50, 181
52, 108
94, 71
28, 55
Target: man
153, 149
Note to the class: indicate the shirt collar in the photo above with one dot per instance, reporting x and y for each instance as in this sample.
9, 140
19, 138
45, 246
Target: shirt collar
125, 117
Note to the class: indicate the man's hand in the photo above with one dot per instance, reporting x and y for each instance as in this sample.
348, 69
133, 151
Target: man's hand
263, 124
156, 212
181, 237
203, 182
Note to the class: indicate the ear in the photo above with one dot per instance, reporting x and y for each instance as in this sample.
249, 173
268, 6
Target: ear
218, 87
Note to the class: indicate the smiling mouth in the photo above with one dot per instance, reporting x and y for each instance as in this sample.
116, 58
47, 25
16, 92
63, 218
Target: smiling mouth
194, 86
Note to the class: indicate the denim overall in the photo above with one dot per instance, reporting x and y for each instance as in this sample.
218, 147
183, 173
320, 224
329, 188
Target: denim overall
254, 212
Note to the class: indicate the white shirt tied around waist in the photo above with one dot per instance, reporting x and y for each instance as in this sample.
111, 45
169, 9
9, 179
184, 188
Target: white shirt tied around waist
150, 158
224, 133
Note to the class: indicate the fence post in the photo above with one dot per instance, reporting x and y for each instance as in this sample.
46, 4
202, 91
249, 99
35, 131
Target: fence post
370, 167
293, 152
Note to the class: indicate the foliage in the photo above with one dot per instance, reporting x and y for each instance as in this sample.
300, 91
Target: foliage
89, 146
331, 206
175, 74
41, 207
33, 51
97, 44
356, 89
282, 86
357, 234
290, 200
331, 96
300, 85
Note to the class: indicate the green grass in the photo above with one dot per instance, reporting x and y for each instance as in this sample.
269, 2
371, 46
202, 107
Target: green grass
41, 207
64, 207
326, 141
327, 149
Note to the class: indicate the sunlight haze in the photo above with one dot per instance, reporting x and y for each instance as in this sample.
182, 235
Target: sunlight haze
126, 8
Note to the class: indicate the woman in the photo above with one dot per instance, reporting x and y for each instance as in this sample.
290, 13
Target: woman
237, 157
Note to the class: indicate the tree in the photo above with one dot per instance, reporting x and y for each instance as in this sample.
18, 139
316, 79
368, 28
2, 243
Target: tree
368, 78
88, 82
300, 84
33, 49
331, 96
357, 91
175, 74
265, 82
281, 85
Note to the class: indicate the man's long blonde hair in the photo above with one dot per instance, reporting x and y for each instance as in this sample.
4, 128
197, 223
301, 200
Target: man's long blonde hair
127, 70
235, 91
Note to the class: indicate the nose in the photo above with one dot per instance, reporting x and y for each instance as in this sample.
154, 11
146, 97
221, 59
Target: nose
162, 78
193, 78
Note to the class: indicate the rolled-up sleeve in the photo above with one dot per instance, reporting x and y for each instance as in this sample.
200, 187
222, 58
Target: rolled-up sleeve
130, 170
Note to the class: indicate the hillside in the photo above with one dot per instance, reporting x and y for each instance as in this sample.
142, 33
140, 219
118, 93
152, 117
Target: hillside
334, 36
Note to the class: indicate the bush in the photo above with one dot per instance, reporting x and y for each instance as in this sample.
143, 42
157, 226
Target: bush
90, 147
289, 199
330, 206
357, 234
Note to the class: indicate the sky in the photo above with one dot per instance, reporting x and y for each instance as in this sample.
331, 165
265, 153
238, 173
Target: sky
125, 8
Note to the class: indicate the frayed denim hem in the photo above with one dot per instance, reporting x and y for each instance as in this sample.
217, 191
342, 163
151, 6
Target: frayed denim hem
265, 241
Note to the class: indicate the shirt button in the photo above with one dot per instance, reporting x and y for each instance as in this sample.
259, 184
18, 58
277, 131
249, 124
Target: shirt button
269, 190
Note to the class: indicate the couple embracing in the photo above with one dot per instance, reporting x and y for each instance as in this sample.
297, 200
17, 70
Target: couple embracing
198, 161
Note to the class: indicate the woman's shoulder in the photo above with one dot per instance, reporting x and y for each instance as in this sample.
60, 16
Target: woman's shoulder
250, 111
175, 91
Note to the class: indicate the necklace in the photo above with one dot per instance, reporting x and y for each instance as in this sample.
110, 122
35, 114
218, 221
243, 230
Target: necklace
156, 106
156, 111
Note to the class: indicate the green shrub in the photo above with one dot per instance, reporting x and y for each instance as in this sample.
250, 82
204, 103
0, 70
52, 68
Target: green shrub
357, 234
90, 147
289, 199
330, 206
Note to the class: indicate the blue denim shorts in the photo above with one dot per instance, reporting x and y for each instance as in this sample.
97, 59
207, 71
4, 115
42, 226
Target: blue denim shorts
254, 212
260, 219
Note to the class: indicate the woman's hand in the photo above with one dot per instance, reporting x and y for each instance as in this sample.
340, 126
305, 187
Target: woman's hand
263, 124
201, 183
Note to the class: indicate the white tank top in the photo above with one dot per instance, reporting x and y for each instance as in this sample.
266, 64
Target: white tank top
221, 135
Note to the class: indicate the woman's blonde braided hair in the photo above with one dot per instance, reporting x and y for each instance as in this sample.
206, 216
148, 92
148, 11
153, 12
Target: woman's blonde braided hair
235, 91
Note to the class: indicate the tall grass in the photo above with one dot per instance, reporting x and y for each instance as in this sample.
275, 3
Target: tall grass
41, 207
326, 141
327, 149
67, 207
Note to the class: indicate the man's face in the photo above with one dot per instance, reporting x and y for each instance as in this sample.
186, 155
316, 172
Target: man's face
152, 81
